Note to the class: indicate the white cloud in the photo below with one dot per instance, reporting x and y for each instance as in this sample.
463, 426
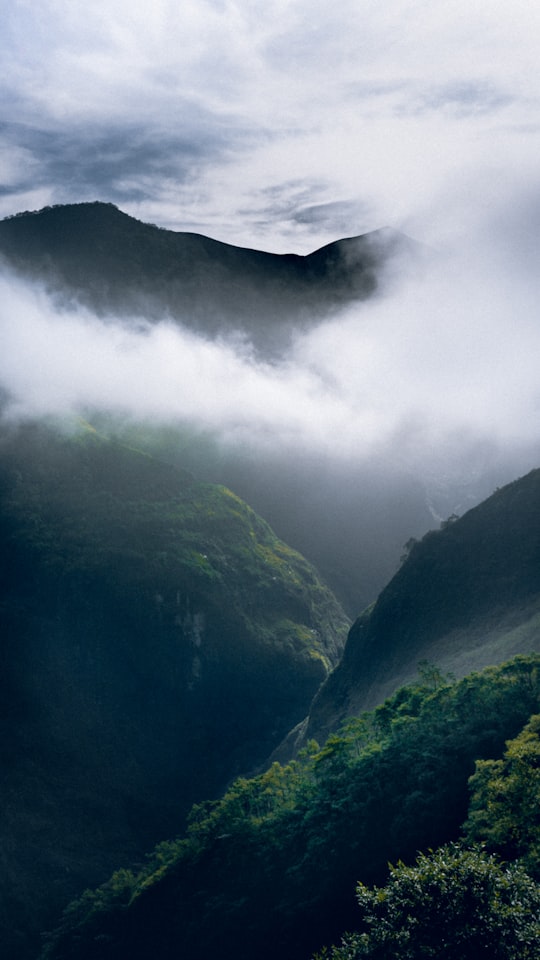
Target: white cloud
436, 365
381, 105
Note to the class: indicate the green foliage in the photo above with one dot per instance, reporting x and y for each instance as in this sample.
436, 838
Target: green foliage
458, 600
456, 904
431, 676
505, 800
247, 802
157, 640
271, 867
87, 507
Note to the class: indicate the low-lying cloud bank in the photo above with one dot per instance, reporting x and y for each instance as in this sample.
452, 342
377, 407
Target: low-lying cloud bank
375, 425
439, 368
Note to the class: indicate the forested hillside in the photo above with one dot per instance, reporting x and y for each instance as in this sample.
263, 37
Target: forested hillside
173, 667
271, 869
157, 640
465, 597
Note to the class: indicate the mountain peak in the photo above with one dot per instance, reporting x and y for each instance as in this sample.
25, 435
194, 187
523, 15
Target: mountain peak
113, 264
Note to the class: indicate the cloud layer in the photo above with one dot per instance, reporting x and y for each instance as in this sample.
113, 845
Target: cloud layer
279, 126
283, 127
439, 368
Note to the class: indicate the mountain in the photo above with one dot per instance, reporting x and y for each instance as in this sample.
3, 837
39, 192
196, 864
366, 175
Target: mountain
466, 596
271, 869
157, 639
95, 255
349, 519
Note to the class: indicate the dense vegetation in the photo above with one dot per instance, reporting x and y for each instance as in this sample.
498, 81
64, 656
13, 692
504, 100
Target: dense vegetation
505, 805
158, 639
465, 597
463, 902
456, 904
270, 869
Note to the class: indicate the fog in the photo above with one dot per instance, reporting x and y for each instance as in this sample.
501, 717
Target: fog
375, 424
444, 356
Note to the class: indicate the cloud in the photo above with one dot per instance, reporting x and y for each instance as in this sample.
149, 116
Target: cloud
340, 214
465, 98
435, 373
193, 113
296, 204
117, 162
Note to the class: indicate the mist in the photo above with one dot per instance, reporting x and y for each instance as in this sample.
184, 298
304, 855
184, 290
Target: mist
372, 426
444, 357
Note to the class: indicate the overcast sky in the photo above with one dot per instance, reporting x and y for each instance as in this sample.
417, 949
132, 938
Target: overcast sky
280, 125
284, 125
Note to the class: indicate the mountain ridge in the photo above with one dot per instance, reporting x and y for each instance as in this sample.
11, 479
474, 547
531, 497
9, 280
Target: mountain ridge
108, 261
465, 597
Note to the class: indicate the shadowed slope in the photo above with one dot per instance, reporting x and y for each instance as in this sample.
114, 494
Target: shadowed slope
467, 596
96, 255
156, 640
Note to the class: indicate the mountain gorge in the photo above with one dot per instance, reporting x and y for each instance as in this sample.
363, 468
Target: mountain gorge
157, 640
270, 870
466, 596
93, 260
200, 754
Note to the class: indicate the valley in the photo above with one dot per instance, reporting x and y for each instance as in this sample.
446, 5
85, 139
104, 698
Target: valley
240, 674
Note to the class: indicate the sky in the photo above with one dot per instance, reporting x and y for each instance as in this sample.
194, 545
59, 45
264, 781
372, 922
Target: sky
280, 126
284, 126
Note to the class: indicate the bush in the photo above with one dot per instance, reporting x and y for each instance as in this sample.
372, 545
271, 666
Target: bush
456, 904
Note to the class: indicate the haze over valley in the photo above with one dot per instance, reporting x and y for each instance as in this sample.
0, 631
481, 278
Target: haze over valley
355, 397
269, 480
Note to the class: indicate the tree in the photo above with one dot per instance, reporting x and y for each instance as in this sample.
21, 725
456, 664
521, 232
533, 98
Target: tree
456, 904
504, 810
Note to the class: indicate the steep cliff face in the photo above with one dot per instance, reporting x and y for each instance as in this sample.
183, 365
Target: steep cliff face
466, 597
157, 639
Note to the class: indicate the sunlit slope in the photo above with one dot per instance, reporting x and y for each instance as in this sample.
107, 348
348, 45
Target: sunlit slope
157, 639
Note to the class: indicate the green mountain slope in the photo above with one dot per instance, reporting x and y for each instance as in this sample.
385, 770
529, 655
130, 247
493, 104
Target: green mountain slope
94, 254
466, 596
271, 870
124, 270
157, 639
350, 522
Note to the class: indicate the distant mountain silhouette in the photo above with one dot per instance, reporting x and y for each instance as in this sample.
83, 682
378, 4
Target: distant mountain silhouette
94, 254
